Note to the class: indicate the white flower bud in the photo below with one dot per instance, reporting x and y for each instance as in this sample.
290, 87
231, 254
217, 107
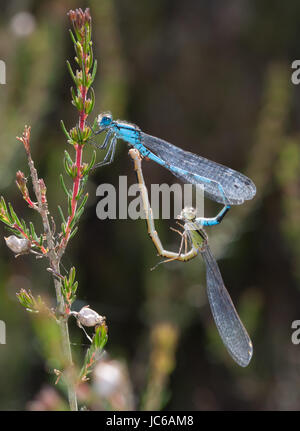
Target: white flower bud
108, 378
18, 245
89, 317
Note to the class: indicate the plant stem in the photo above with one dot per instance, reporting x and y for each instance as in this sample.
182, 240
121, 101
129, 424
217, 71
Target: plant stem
54, 259
76, 185
68, 355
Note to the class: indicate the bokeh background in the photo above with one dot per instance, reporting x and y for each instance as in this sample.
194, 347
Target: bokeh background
211, 77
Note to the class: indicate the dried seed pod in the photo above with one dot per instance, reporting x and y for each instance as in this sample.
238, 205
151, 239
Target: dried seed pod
18, 245
88, 317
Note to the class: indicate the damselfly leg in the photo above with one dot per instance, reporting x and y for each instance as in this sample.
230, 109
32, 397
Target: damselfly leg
110, 154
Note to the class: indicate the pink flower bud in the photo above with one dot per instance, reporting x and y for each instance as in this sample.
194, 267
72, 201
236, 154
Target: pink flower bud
21, 182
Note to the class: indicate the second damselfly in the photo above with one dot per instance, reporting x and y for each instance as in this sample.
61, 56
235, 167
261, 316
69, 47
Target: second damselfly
229, 325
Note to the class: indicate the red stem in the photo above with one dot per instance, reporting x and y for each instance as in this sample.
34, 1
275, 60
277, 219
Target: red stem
76, 185
78, 149
82, 114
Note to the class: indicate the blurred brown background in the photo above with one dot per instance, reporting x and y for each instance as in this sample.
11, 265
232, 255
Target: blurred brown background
211, 77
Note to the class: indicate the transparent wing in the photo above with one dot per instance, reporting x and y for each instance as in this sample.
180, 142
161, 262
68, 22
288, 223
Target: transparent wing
195, 169
230, 327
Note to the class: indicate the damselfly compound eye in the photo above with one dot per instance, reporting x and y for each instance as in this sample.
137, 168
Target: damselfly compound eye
105, 119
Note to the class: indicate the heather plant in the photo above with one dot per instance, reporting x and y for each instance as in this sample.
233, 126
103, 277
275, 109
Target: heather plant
48, 242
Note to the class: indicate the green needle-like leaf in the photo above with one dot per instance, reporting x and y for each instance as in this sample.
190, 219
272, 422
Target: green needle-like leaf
63, 185
61, 214
72, 73
65, 130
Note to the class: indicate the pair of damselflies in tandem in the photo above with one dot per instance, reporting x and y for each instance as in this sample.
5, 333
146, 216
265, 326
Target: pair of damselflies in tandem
221, 184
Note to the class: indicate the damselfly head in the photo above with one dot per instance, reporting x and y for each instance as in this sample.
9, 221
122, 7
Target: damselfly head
104, 120
187, 214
